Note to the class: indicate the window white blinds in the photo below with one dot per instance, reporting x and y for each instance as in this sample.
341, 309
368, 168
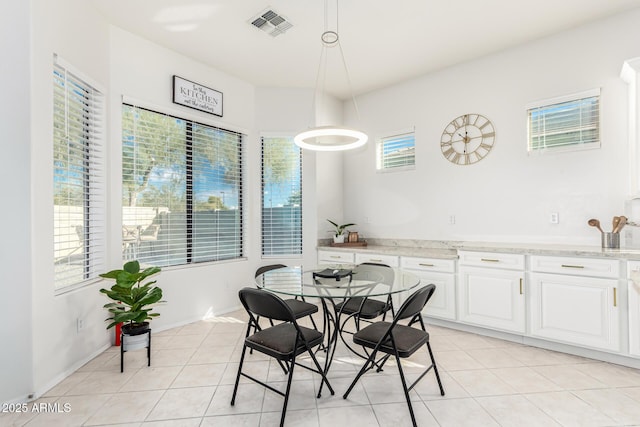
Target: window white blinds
571, 122
79, 175
397, 151
182, 189
281, 197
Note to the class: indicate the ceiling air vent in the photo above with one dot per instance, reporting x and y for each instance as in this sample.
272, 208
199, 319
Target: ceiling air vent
271, 23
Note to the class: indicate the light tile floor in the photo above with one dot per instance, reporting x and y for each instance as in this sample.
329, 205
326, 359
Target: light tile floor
488, 382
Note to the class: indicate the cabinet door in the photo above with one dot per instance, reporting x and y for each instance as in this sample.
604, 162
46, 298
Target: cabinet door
575, 310
633, 296
634, 318
443, 301
492, 297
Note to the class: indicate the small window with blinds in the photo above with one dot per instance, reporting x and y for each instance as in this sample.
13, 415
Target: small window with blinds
182, 190
281, 197
78, 179
397, 152
565, 124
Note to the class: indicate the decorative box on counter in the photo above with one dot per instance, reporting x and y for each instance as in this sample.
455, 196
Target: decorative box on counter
352, 241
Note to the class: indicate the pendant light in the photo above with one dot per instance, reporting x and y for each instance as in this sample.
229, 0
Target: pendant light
330, 138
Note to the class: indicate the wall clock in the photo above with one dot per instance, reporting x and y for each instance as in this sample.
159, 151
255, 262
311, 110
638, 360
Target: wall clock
467, 139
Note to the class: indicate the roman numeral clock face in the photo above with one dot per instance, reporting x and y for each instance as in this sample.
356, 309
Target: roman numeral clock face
467, 139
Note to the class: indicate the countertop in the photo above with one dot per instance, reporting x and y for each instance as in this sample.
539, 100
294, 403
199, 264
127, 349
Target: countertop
449, 250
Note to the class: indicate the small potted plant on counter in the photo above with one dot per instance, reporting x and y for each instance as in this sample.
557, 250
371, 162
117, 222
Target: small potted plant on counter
338, 233
133, 301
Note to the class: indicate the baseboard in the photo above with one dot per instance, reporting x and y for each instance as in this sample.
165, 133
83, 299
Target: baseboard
618, 359
60, 377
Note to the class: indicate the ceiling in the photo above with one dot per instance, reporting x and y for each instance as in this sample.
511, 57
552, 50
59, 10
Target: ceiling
384, 42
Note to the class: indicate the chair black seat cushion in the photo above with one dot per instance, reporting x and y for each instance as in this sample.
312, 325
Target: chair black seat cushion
370, 309
301, 308
407, 339
280, 341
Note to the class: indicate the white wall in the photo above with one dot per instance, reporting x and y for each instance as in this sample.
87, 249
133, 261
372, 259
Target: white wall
15, 261
329, 175
509, 195
57, 346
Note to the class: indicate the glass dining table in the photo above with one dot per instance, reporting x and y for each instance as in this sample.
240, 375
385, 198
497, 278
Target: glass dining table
334, 285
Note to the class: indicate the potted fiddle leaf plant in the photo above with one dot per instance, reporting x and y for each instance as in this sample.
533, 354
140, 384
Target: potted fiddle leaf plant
133, 298
338, 232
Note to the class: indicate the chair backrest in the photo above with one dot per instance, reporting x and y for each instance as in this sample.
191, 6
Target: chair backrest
266, 268
415, 303
373, 271
265, 304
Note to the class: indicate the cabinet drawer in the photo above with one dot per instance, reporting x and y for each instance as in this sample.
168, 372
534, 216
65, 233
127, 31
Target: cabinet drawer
576, 266
492, 259
390, 260
335, 257
428, 264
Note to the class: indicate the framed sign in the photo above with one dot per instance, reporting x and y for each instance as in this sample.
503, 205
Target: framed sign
196, 96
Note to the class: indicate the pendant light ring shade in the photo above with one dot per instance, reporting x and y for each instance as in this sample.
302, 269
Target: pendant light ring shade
330, 138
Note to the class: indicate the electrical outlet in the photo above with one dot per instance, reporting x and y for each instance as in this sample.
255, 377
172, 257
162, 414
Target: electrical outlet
554, 218
452, 219
79, 324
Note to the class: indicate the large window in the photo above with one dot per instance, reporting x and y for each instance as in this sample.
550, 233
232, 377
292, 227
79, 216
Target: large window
281, 197
566, 123
78, 179
181, 188
397, 151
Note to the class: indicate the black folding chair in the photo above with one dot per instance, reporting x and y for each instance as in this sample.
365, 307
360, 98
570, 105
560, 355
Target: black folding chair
363, 307
300, 308
284, 341
398, 340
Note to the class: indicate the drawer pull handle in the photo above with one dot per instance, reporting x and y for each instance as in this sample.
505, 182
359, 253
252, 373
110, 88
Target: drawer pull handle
375, 260
615, 297
572, 266
426, 265
489, 260
521, 286
334, 256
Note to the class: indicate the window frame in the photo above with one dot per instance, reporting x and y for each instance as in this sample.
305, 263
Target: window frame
92, 232
192, 121
393, 137
300, 231
557, 102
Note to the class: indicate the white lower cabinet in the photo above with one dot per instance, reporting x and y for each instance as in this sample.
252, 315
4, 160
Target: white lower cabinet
492, 296
575, 309
633, 288
440, 272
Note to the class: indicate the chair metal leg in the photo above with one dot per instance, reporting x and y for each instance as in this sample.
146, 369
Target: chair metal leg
364, 369
321, 372
406, 391
286, 393
313, 322
435, 368
235, 388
